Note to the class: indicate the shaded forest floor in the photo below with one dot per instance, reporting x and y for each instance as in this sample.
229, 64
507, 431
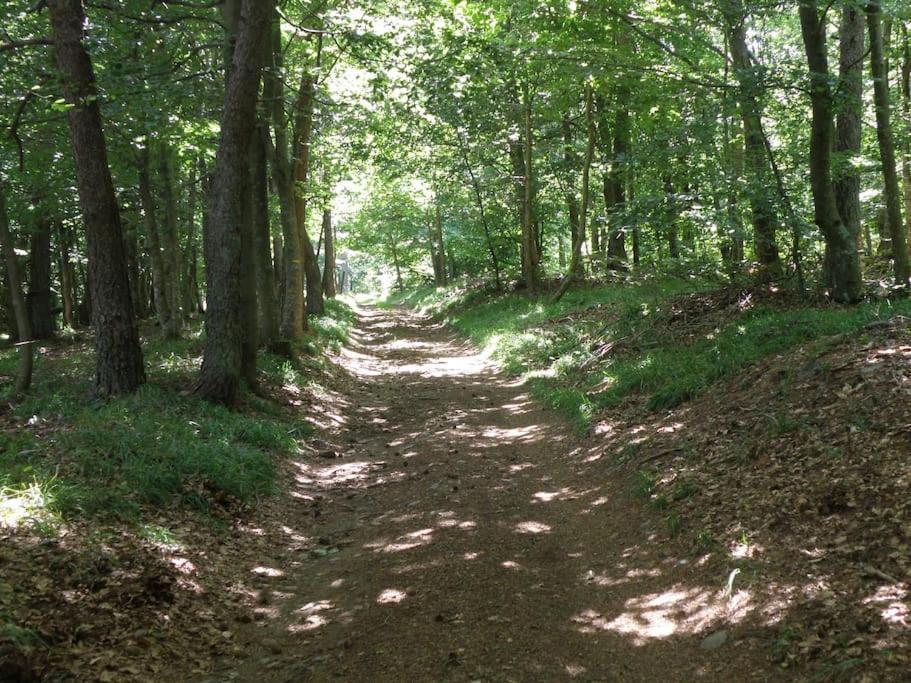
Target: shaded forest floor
753, 524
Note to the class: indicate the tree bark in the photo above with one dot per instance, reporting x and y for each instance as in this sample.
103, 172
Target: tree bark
39, 282
20, 309
156, 256
892, 194
293, 313
576, 229
530, 247
303, 133
329, 251
583, 211
66, 276
616, 244
440, 245
169, 243
843, 265
119, 363
759, 181
906, 108
221, 367
849, 120
265, 278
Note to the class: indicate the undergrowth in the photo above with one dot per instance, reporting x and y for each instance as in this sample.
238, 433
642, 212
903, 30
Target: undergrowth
65, 455
551, 343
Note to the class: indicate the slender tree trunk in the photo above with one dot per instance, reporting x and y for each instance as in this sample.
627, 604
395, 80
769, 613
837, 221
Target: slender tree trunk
843, 265
39, 282
156, 256
440, 245
20, 309
670, 199
906, 108
265, 278
434, 259
119, 363
616, 245
249, 309
849, 120
293, 314
479, 198
530, 245
66, 276
892, 193
303, 133
170, 249
583, 211
576, 229
191, 287
759, 180
329, 264
398, 269
221, 368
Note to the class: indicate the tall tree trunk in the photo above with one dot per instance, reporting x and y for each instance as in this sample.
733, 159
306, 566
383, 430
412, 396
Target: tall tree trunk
39, 282
576, 229
66, 276
479, 198
530, 246
265, 278
156, 255
329, 263
303, 133
583, 211
616, 245
671, 209
906, 108
221, 367
843, 265
249, 314
190, 291
849, 120
293, 314
440, 245
892, 193
434, 259
20, 310
749, 80
119, 363
169, 243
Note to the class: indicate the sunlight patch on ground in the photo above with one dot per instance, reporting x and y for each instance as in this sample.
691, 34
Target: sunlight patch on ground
391, 596
404, 542
18, 507
548, 496
271, 572
312, 616
673, 612
514, 434
532, 528
893, 604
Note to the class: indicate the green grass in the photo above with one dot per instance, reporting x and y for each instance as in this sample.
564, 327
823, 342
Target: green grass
158, 448
537, 338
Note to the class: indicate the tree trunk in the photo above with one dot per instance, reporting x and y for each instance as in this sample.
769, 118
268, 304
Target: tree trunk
190, 292
440, 245
265, 278
760, 177
616, 245
896, 228
156, 256
329, 263
670, 199
40, 304
119, 363
293, 313
843, 266
66, 276
576, 229
583, 211
479, 198
20, 309
303, 132
221, 367
529, 234
249, 314
906, 108
849, 120
169, 243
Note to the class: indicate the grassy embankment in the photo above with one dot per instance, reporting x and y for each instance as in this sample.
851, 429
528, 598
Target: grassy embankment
66, 456
552, 343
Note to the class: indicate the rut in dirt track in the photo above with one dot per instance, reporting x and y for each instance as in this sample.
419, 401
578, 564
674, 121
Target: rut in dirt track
468, 535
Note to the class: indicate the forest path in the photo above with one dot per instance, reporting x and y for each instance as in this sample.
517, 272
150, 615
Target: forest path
467, 535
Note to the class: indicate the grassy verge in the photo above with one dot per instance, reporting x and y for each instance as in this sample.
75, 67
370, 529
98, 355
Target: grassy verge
551, 343
64, 455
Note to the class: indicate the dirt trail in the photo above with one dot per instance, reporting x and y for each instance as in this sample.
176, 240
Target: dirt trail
467, 535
